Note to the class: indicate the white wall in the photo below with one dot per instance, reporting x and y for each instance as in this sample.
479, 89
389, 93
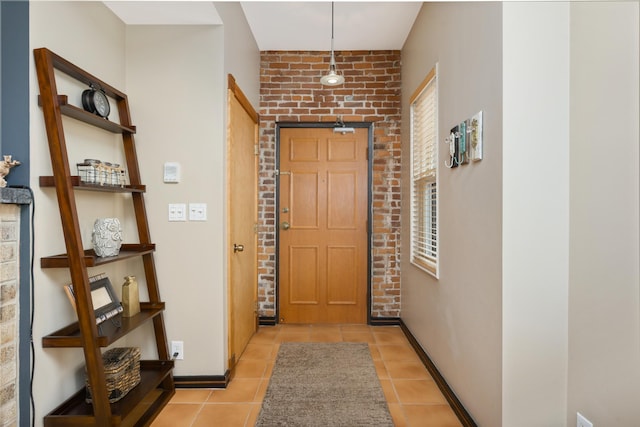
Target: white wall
94, 41
178, 77
175, 79
535, 212
176, 92
604, 287
571, 277
568, 208
241, 53
457, 319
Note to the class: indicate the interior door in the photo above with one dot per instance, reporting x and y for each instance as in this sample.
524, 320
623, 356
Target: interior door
242, 240
323, 226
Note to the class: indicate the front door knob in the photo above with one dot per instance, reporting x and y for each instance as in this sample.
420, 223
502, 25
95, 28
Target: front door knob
237, 248
285, 225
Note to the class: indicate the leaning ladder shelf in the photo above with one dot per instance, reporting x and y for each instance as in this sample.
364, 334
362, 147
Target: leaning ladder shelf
142, 404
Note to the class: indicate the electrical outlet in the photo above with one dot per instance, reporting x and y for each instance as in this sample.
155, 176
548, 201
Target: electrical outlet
582, 421
177, 350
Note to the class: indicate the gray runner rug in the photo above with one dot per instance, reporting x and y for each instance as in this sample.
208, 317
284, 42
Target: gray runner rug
324, 384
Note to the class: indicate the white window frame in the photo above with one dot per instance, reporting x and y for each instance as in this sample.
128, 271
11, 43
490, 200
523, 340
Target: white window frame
424, 175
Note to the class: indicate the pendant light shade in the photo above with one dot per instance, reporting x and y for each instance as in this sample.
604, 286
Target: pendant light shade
332, 78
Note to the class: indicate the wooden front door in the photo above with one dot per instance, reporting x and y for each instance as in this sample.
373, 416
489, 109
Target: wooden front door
242, 240
323, 226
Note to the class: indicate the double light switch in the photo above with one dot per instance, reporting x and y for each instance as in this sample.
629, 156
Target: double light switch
178, 212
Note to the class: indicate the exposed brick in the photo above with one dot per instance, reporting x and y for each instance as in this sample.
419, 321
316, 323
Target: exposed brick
7, 332
7, 393
8, 231
8, 292
290, 91
7, 354
7, 313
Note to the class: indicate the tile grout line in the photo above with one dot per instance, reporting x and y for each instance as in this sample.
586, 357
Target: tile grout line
195, 419
395, 392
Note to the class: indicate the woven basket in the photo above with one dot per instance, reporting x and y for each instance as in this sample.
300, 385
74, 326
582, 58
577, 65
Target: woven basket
121, 370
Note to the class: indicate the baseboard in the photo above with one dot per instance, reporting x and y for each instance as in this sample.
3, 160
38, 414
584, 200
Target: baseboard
267, 321
384, 321
203, 381
373, 321
454, 402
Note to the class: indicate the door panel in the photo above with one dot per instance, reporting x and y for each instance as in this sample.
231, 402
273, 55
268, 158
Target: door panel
342, 200
323, 226
340, 275
342, 150
304, 269
303, 203
242, 218
304, 150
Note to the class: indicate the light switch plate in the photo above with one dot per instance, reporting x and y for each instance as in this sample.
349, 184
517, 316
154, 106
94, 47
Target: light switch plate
197, 211
177, 212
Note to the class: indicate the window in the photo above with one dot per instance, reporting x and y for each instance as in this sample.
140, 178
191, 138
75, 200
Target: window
424, 174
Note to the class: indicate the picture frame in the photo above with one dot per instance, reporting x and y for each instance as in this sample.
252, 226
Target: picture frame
105, 301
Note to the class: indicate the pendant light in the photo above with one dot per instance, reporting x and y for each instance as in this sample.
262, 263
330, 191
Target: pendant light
332, 78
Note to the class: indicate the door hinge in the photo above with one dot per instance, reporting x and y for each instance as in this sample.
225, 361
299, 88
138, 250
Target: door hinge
256, 149
255, 228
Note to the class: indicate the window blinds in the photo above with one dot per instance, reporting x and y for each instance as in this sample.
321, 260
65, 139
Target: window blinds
424, 167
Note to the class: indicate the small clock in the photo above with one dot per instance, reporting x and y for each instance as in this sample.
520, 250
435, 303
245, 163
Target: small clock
95, 101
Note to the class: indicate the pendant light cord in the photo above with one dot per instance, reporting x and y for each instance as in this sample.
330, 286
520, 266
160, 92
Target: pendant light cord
332, 29
332, 23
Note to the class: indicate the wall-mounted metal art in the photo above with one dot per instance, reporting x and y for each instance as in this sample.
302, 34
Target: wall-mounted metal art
465, 142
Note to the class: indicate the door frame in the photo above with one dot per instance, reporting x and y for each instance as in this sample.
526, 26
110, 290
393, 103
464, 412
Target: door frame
325, 125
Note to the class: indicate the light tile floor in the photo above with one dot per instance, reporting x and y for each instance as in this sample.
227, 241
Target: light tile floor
413, 397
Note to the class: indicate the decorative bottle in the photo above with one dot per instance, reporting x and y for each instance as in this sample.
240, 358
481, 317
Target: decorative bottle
130, 297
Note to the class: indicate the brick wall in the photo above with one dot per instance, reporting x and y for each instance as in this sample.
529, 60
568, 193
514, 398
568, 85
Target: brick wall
9, 233
290, 91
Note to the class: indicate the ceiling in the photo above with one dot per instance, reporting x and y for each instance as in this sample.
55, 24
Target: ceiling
290, 25
165, 12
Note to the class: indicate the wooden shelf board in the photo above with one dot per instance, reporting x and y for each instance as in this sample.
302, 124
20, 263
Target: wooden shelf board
84, 116
147, 394
128, 250
70, 335
48, 181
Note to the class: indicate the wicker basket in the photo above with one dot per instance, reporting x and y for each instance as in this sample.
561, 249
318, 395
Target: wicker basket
122, 372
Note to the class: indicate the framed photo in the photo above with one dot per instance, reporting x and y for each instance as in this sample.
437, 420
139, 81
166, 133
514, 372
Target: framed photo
105, 301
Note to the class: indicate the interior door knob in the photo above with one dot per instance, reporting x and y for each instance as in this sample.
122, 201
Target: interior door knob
237, 248
285, 225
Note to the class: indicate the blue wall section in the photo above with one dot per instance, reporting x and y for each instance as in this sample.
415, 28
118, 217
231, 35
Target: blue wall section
14, 140
15, 87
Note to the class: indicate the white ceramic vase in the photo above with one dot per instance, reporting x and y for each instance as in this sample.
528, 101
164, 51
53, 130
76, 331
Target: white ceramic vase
107, 237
